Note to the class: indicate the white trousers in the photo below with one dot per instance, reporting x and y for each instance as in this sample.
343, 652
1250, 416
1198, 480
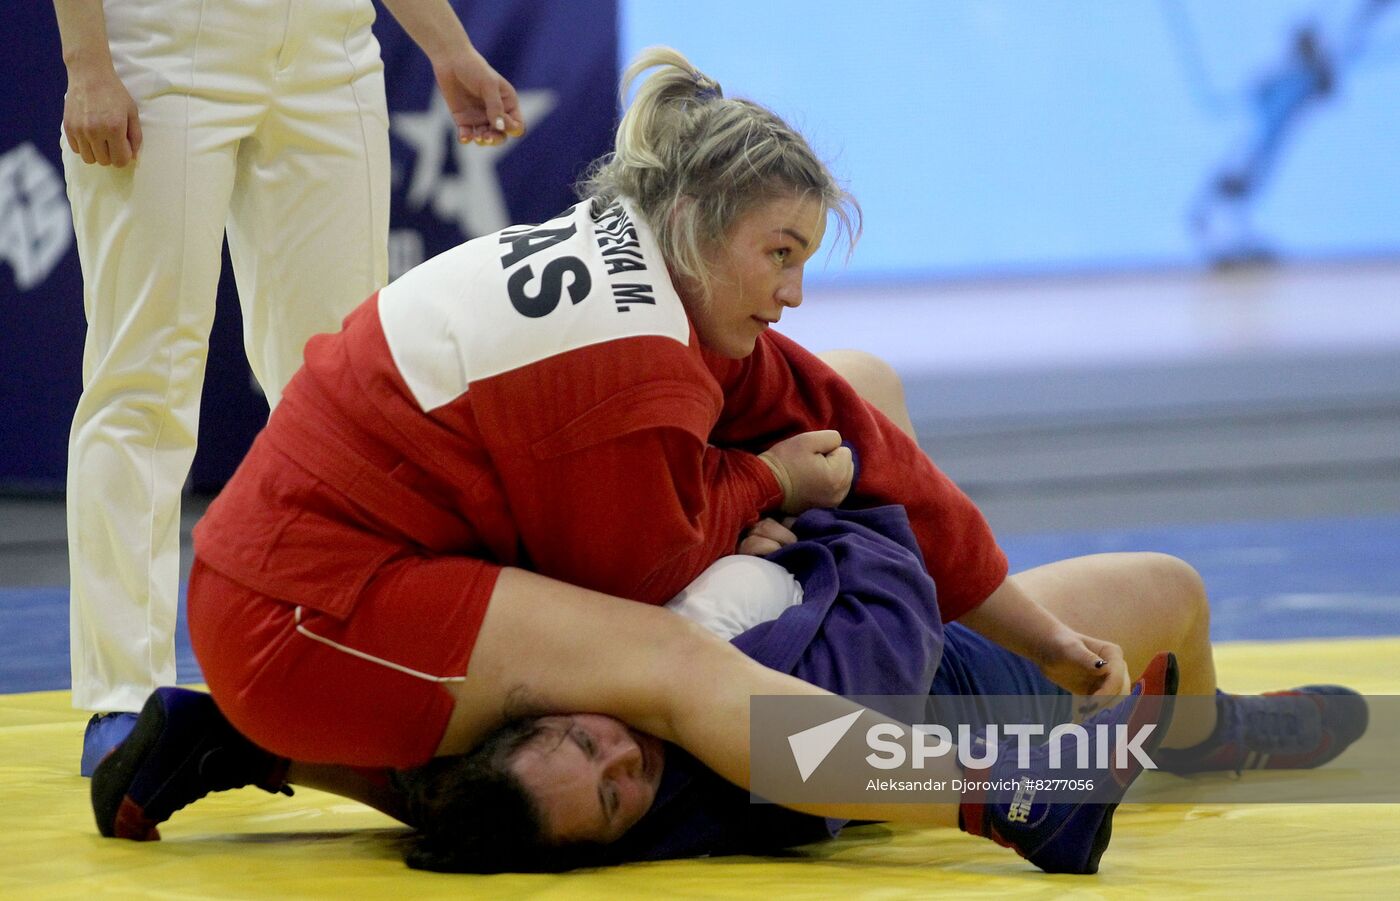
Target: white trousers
263, 117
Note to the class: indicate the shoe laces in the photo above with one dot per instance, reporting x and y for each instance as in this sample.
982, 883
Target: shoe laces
1278, 723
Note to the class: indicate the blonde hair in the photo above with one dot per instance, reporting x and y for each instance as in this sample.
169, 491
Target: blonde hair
693, 162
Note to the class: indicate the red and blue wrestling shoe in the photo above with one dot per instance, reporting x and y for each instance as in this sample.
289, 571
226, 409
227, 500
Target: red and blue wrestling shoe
181, 749
1065, 829
1282, 730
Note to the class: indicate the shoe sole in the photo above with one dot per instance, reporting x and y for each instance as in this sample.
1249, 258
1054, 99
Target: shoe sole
114, 774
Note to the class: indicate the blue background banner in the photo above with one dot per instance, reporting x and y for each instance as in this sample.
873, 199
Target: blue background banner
41, 289
561, 56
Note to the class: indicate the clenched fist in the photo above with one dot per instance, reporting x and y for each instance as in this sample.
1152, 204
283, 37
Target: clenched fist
813, 469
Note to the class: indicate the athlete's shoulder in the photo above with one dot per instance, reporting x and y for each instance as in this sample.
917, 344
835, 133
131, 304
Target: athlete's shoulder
526, 294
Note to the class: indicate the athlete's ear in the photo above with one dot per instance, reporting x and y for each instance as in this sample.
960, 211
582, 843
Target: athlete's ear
680, 219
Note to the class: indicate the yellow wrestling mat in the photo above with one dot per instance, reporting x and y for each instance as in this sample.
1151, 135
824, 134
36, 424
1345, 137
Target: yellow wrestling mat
249, 844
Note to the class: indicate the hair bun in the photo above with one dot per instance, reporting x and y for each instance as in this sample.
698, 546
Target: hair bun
706, 88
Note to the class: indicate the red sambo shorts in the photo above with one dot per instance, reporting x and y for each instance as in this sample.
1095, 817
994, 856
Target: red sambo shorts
366, 690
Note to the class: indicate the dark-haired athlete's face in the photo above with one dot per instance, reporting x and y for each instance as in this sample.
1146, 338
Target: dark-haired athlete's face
592, 776
757, 274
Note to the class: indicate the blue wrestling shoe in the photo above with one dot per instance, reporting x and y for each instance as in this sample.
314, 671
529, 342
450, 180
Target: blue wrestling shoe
1281, 730
181, 749
104, 732
1068, 831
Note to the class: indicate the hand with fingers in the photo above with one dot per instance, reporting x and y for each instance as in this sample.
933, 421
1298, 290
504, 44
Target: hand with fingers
1092, 669
766, 536
813, 469
483, 104
100, 120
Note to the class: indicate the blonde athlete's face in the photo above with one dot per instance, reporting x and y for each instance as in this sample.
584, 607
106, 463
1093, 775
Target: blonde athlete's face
757, 270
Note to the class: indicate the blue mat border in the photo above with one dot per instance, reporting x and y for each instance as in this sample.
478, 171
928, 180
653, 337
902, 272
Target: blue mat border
1318, 578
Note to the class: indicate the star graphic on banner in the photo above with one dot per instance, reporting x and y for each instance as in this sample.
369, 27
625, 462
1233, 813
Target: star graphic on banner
36, 229
472, 196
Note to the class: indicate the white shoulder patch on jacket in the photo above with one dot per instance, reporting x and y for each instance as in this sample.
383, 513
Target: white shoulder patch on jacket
513, 298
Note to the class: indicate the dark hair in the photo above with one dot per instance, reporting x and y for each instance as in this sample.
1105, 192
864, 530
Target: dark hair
473, 814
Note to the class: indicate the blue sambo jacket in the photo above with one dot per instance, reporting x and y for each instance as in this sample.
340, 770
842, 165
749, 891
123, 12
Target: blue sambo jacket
868, 624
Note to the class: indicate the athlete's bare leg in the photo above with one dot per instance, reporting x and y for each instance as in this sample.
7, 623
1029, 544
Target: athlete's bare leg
1145, 603
548, 647
368, 786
